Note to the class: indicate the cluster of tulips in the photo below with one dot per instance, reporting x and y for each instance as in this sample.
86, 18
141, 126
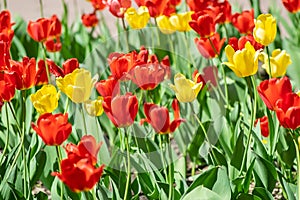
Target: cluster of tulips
47, 83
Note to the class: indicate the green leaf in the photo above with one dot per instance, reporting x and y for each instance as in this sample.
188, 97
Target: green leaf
248, 197
238, 153
263, 193
248, 178
222, 185
202, 193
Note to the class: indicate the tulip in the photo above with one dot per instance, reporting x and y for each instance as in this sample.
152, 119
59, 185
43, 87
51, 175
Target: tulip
77, 85
94, 108
6, 31
118, 7
137, 19
67, 67
264, 125
79, 175
279, 61
239, 44
198, 5
120, 64
159, 117
242, 62
121, 109
292, 6
244, 22
53, 45
4, 55
185, 89
170, 8
180, 22
273, 89
89, 20
164, 25
108, 87
53, 129
205, 48
265, 29
98, 4
155, 7
41, 74
7, 86
223, 11
203, 23
45, 100
288, 111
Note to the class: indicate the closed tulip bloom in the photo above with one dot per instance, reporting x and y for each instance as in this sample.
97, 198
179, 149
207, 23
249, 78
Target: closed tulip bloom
108, 87
264, 125
279, 60
244, 21
99, 4
273, 89
155, 7
39, 30
288, 111
137, 19
181, 21
79, 175
265, 29
121, 109
89, 20
205, 48
292, 6
67, 67
118, 7
185, 89
94, 107
242, 62
45, 100
203, 23
53, 129
239, 44
164, 25
159, 117
7, 86
77, 85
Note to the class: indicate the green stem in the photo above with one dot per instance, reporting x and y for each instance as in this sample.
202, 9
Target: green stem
7, 136
226, 32
5, 4
171, 179
83, 118
94, 193
22, 144
41, 8
191, 59
298, 168
269, 62
46, 65
15, 118
126, 34
67, 105
253, 115
59, 157
162, 157
193, 167
128, 166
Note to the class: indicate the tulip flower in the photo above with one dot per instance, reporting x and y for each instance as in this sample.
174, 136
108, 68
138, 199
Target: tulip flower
89, 20
41, 74
53, 129
137, 19
185, 89
7, 86
265, 29
244, 22
98, 4
79, 175
279, 61
239, 44
77, 85
170, 8
198, 5
164, 25
108, 87
273, 89
120, 64
25, 73
288, 111
94, 108
121, 109
67, 67
292, 6
181, 21
242, 62
205, 48
203, 24
4, 55
155, 7
264, 125
223, 11
6, 31
86, 148
118, 7
45, 100
159, 117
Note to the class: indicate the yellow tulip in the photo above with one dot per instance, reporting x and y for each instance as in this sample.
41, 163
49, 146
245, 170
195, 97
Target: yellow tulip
77, 85
181, 21
94, 108
185, 90
279, 60
45, 100
242, 62
265, 29
164, 25
137, 19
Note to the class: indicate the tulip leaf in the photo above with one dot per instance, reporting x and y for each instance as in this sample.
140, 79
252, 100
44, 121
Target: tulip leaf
243, 196
238, 152
201, 192
263, 193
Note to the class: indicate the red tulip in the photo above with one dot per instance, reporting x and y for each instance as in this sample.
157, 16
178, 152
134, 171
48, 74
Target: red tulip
292, 5
118, 7
159, 117
41, 74
199, 78
244, 22
53, 45
170, 7
121, 110
4, 55
223, 11
87, 148
288, 111
239, 44
99, 4
120, 64
53, 129
108, 87
156, 7
6, 31
7, 86
67, 67
274, 89
203, 23
79, 175
89, 20
206, 49
264, 125
199, 5
25, 73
